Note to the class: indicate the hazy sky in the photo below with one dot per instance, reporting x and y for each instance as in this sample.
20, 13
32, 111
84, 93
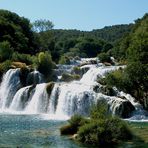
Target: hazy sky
79, 14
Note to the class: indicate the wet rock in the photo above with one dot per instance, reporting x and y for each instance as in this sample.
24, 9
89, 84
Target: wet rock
125, 109
49, 87
108, 90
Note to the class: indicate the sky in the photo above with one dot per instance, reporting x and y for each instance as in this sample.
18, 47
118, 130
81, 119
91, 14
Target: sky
79, 14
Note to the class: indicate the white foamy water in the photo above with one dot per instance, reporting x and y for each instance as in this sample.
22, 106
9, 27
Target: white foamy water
39, 101
10, 84
65, 99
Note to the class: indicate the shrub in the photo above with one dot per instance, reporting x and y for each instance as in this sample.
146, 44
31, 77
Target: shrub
104, 57
100, 110
74, 123
4, 67
64, 60
24, 58
45, 64
104, 132
77, 70
119, 79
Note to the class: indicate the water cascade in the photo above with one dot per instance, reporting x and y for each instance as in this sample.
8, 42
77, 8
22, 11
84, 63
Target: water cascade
21, 98
66, 98
35, 77
9, 86
39, 101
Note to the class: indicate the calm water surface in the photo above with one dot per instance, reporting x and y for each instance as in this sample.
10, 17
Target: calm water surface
32, 131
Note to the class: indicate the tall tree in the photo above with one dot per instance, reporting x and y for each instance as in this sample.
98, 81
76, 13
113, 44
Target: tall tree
42, 25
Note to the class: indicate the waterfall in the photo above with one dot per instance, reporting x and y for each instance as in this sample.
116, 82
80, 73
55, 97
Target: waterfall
74, 98
35, 77
21, 98
91, 75
9, 86
66, 99
39, 101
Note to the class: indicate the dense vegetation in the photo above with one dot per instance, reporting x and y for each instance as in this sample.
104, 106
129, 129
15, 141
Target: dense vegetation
21, 41
101, 129
134, 78
81, 43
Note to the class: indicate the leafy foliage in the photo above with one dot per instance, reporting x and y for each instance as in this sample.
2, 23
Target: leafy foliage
74, 123
104, 57
104, 132
134, 78
42, 25
100, 130
17, 31
45, 64
5, 51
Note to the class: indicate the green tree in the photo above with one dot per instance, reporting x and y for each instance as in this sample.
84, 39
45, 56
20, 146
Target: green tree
45, 64
5, 51
17, 31
42, 25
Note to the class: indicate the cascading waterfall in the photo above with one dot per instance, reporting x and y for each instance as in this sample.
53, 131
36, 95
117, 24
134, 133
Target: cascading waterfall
35, 77
21, 98
65, 99
74, 98
39, 101
10, 84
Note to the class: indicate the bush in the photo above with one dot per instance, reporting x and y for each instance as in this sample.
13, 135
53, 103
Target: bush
77, 70
64, 60
45, 64
76, 120
100, 110
104, 132
5, 66
74, 123
119, 79
104, 57
100, 130
24, 58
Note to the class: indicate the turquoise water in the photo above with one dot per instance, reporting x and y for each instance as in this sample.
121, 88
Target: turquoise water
32, 131
36, 131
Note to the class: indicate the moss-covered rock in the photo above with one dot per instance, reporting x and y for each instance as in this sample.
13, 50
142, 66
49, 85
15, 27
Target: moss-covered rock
77, 70
49, 87
18, 65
